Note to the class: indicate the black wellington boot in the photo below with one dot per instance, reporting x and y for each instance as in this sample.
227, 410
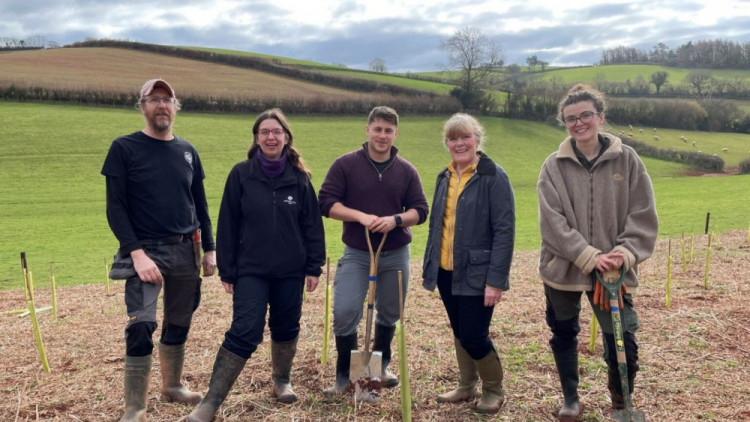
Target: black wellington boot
344, 347
383, 338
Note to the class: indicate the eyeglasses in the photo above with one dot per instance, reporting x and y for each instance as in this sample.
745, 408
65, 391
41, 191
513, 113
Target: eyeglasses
276, 132
157, 101
585, 117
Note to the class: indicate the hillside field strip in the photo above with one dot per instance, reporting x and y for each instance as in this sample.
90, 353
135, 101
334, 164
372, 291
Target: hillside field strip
120, 70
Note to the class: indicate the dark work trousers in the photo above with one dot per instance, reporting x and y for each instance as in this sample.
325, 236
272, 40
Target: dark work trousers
564, 308
252, 296
182, 293
470, 319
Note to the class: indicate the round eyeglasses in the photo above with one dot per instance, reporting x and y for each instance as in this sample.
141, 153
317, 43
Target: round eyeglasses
585, 117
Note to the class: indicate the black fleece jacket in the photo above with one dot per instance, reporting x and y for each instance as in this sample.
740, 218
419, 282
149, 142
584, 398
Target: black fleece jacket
269, 227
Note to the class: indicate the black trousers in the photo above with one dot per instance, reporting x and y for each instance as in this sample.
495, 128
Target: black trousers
253, 296
470, 319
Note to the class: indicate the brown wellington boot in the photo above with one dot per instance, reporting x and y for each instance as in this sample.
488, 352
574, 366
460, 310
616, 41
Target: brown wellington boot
137, 377
491, 371
282, 355
467, 378
172, 359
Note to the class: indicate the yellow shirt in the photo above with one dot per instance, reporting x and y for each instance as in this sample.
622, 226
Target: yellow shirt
456, 185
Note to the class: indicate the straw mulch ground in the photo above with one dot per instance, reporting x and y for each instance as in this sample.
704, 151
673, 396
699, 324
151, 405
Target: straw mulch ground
695, 357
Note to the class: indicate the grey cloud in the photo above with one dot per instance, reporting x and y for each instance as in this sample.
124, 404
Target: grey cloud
409, 42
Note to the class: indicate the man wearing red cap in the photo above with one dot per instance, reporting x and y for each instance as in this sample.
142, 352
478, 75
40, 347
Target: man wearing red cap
157, 210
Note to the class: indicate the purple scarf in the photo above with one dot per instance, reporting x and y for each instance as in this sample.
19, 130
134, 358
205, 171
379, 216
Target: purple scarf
271, 168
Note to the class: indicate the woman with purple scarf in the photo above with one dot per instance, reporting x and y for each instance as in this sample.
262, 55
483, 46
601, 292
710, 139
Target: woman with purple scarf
270, 244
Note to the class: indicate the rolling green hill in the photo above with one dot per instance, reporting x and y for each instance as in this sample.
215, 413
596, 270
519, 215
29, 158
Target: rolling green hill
623, 72
52, 203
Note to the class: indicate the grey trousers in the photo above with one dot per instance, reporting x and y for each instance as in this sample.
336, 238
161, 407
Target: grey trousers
352, 281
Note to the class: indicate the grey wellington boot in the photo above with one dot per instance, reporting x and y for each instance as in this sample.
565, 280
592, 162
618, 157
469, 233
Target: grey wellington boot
137, 378
282, 356
226, 370
172, 359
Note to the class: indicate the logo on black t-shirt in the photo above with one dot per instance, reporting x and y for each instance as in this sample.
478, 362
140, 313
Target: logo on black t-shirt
189, 157
289, 200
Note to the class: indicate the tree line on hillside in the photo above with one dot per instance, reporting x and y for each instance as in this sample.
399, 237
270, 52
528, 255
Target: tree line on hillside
709, 54
537, 99
318, 104
696, 102
32, 42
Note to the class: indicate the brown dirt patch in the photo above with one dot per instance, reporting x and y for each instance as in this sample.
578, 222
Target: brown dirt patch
695, 357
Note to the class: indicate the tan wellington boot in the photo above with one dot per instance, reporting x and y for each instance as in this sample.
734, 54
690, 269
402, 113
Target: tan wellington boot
467, 378
491, 371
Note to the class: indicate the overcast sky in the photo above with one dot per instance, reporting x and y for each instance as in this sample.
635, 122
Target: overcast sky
404, 33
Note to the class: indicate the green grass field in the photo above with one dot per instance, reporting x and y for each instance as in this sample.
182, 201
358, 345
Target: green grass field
52, 197
738, 145
623, 72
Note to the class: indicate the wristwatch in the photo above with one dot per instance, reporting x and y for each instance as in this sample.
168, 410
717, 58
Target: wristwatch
398, 220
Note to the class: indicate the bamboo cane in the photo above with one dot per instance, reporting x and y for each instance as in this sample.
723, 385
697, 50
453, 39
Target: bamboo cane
684, 255
327, 316
692, 245
106, 278
29, 283
403, 365
54, 290
708, 263
668, 302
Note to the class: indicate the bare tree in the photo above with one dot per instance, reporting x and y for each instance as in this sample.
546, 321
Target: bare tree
701, 81
377, 65
658, 79
532, 61
475, 56
36, 41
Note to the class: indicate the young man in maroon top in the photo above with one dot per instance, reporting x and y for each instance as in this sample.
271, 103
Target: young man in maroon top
371, 187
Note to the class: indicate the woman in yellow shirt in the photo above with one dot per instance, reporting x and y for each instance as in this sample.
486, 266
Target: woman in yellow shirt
468, 256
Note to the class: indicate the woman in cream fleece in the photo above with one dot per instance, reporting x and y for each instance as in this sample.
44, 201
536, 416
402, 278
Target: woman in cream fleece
596, 211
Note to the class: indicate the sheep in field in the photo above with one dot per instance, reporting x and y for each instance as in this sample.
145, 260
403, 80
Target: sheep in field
693, 143
725, 149
656, 138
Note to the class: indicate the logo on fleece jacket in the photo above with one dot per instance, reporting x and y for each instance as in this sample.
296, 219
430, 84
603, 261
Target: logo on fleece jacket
289, 200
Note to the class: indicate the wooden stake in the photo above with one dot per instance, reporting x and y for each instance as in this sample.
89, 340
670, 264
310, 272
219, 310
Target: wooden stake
327, 315
54, 290
32, 312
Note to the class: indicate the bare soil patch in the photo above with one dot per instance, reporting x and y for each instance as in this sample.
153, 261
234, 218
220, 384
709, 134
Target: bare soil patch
695, 357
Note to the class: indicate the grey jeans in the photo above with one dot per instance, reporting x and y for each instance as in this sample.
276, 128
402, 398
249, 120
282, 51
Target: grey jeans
352, 281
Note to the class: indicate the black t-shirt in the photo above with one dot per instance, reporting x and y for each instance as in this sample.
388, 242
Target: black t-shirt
154, 190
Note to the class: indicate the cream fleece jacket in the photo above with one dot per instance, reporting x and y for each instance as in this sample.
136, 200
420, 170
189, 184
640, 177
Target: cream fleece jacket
583, 213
